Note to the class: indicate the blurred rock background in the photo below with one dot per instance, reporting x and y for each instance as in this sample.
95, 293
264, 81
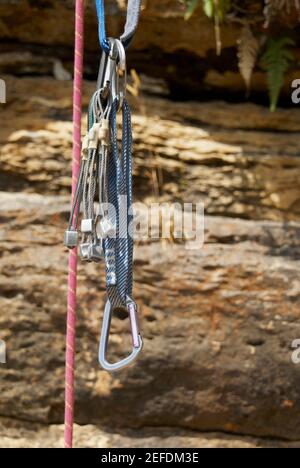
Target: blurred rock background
218, 323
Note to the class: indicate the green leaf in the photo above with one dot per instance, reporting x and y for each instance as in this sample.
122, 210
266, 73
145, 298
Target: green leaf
217, 8
276, 61
191, 7
209, 8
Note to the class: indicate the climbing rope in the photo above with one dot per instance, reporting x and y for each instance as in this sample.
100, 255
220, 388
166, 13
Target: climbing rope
76, 175
102, 187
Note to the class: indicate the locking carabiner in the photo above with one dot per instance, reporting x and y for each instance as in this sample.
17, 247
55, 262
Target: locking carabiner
137, 342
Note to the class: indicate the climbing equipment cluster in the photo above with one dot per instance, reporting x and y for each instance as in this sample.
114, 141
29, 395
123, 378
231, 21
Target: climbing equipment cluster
104, 185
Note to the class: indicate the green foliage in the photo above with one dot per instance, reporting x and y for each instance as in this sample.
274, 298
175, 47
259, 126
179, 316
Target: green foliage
276, 60
256, 26
191, 6
216, 8
209, 8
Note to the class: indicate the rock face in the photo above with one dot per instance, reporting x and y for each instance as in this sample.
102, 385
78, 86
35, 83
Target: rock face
93, 437
218, 322
240, 160
220, 360
184, 50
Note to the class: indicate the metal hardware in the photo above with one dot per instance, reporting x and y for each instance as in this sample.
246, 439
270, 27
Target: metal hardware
87, 226
121, 73
84, 251
105, 228
71, 239
104, 339
91, 252
132, 310
95, 252
112, 78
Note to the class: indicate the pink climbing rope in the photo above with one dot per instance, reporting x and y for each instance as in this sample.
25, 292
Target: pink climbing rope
72, 277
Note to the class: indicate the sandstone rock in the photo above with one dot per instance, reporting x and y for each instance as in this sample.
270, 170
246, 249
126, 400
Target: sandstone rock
240, 160
218, 324
93, 437
52, 25
184, 50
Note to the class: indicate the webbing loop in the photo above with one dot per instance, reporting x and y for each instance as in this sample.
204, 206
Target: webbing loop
132, 19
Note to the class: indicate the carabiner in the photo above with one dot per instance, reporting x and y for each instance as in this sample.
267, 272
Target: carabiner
121, 75
107, 70
137, 342
112, 73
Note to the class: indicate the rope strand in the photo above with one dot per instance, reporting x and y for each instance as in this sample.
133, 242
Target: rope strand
72, 276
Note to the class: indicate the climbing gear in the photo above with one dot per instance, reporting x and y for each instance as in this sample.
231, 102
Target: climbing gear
132, 19
72, 236
136, 337
104, 186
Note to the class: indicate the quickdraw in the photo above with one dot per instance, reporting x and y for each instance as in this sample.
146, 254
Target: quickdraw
104, 186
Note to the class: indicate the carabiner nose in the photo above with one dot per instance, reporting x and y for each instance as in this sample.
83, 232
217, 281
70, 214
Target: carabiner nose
137, 342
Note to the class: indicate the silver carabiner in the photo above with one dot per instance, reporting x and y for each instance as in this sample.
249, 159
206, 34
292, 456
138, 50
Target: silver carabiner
107, 71
112, 78
121, 75
137, 342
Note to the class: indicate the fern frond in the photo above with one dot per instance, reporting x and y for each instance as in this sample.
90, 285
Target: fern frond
248, 47
276, 61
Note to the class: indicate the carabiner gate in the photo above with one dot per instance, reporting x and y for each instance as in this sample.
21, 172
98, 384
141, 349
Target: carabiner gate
137, 342
112, 73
